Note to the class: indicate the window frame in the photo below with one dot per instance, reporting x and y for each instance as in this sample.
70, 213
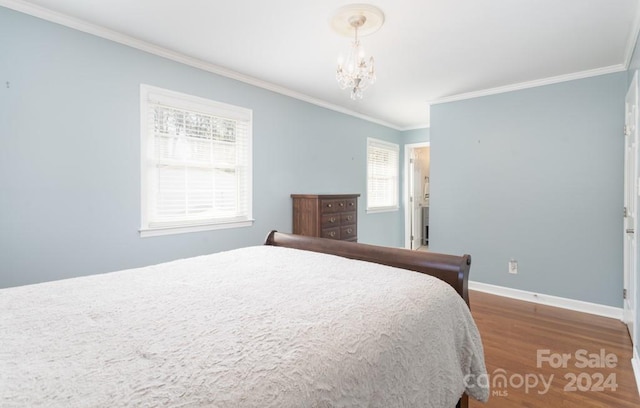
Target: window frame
382, 144
196, 104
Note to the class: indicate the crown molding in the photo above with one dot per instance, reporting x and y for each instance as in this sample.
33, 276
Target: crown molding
416, 127
99, 31
532, 84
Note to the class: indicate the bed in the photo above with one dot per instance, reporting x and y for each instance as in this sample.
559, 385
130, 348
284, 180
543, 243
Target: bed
297, 322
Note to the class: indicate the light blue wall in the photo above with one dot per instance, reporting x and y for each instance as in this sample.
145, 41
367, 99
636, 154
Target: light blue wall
534, 175
70, 148
415, 136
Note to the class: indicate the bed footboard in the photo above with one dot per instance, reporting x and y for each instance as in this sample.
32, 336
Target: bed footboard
450, 268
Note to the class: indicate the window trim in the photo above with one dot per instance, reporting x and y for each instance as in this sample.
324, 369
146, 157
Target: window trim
195, 103
391, 146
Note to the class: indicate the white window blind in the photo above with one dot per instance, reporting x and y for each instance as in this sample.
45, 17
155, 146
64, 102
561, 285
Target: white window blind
196, 163
382, 175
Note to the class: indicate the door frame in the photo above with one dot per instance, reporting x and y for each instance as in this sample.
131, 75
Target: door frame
406, 197
630, 266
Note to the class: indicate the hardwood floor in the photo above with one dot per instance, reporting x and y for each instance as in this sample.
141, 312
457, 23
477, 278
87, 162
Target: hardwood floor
524, 341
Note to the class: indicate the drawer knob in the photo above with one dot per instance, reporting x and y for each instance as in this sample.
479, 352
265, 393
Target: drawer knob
332, 233
332, 220
351, 204
349, 231
349, 218
341, 204
329, 205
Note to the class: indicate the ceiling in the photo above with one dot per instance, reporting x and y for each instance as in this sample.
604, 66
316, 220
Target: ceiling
427, 50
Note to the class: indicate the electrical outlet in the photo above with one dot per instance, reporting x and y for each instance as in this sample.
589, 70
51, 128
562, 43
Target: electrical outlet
513, 266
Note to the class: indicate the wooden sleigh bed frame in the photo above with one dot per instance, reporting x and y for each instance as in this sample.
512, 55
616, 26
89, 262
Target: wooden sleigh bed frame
450, 268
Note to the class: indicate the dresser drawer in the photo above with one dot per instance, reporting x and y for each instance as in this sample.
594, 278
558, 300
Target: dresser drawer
350, 231
330, 220
351, 204
333, 233
331, 206
348, 218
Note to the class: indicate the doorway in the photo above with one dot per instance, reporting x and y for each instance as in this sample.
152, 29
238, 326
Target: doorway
417, 158
630, 206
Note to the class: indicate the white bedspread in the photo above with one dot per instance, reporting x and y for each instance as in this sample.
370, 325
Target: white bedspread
255, 327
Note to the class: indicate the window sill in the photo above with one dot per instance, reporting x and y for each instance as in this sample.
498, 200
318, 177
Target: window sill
158, 231
381, 210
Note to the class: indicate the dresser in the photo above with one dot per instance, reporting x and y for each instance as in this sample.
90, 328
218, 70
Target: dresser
333, 216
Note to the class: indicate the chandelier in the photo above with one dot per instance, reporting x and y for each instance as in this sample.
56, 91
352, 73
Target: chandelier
356, 72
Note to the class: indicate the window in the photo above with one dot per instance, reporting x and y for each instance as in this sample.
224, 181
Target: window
382, 175
196, 163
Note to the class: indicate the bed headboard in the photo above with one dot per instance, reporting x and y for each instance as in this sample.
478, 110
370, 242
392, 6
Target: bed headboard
450, 268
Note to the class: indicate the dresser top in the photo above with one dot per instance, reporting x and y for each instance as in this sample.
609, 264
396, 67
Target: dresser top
324, 195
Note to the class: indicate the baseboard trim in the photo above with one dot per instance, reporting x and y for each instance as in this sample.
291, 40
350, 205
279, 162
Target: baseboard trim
564, 303
635, 363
